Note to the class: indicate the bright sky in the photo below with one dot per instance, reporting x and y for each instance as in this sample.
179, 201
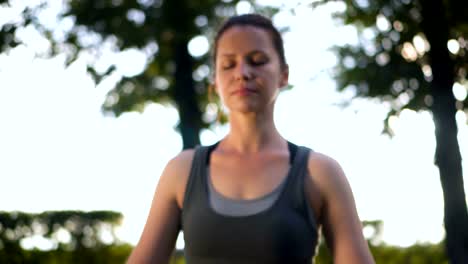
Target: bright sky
58, 152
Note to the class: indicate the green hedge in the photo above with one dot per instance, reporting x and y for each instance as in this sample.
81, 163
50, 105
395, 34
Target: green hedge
86, 246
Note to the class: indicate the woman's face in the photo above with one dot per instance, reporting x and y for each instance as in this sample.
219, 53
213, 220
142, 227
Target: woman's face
248, 74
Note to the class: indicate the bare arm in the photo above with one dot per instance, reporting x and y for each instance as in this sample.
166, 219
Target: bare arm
341, 225
162, 226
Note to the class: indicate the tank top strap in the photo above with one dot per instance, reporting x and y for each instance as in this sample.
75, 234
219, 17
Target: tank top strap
298, 170
294, 190
193, 194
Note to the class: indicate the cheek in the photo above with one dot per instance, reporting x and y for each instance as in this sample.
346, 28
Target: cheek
218, 88
222, 80
271, 77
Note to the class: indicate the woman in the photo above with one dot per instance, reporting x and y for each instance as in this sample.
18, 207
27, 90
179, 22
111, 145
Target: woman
253, 197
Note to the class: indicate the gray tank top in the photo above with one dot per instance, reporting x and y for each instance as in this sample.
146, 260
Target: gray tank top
283, 232
233, 207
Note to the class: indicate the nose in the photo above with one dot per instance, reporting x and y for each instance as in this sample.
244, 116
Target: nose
244, 71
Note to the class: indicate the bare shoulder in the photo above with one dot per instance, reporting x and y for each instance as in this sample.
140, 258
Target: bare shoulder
177, 172
162, 225
341, 224
326, 172
324, 177
181, 162
330, 182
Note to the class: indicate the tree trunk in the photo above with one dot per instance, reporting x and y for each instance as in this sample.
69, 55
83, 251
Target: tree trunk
185, 96
447, 154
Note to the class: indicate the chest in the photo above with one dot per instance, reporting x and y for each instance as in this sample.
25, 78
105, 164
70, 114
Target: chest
246, 178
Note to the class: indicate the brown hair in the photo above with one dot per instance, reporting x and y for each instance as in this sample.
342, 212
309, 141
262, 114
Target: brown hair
258, 21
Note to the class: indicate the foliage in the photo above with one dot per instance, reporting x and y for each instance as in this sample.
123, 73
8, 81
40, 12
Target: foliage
390, 61
413, 54
68, 230
108, 254
22, 225
72, 236
160, 30
384, 254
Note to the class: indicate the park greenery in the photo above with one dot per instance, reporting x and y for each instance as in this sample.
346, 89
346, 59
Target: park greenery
412, 54
89, 237
61, 237
161, 29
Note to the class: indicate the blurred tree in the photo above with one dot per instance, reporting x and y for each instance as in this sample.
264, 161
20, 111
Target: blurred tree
86, 243
386, 254
84, 233
68, 229
412, 54
162, 30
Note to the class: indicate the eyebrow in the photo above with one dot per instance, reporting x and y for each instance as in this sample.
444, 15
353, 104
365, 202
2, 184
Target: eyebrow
248, 54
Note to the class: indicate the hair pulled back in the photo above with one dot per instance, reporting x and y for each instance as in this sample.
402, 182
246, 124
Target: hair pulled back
257, 21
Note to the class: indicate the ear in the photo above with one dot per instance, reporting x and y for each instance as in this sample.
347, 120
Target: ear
284, 76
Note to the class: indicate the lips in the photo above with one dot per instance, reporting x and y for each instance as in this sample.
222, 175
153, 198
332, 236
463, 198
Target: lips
243, 91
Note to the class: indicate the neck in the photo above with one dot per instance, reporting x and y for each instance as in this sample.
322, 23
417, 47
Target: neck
252, 133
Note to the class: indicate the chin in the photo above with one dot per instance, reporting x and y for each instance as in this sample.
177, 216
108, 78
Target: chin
248, 108
245, 111
243, 108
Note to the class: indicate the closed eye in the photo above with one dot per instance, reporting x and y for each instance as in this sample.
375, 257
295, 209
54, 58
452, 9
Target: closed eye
254, 59
258, 59
227, 65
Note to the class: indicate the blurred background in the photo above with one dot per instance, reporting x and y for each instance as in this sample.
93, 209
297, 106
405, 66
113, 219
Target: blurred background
96, 96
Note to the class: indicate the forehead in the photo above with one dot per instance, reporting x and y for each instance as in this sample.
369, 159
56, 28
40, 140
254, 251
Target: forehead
240, 39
